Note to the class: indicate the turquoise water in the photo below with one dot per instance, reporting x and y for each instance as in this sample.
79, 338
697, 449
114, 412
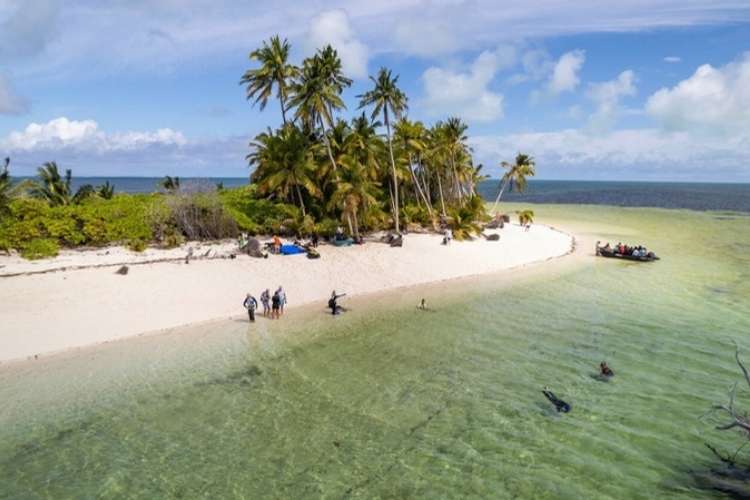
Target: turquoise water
391, 403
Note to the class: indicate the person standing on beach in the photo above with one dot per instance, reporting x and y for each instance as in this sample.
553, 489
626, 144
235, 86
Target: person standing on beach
265, 299
282, 299
251, 305
275, 303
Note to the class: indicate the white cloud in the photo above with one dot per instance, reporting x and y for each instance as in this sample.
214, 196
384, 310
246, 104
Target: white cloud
672, 59
607, 97
86, 137
640, 153
564, 76
711, 100
146, 36
333, 27
10, 102
465, 94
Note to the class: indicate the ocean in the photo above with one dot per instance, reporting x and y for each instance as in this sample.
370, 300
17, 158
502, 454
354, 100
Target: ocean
694, 196
389, 402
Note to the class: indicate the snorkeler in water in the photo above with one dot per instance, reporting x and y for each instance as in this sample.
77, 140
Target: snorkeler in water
560, 405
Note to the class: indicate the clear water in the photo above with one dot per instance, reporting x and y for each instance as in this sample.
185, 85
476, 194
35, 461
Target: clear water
388, 402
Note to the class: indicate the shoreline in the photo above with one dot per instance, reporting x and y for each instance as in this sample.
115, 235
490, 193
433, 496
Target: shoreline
93, 306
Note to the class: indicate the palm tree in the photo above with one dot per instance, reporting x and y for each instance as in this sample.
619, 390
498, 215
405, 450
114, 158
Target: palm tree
435, 157
274, 71
455, 146
317, 93
385, 97
516, 174
410, 137
5, 186
284, 164
106, 191
354, 192
52, 187
170, 184
525, 217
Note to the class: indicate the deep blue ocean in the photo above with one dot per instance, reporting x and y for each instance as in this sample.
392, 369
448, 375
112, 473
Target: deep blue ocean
694, 196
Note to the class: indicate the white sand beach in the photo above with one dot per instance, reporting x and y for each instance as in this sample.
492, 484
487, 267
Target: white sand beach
76, 304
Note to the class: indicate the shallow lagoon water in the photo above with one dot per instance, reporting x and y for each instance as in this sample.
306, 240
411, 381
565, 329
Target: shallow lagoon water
389, 402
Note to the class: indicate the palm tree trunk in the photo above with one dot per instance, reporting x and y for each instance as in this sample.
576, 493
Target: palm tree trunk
393, 168
356, 225
419, 188
328, 144
459, 190
283, 108
301, 202
349, 222
502, 188
440, 190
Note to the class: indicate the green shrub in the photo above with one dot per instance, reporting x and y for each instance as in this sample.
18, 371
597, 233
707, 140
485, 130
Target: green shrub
40, 248
173, 240
137, 245
256, 215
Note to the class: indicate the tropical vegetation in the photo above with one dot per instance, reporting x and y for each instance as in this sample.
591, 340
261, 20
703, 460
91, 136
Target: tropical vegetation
315, 172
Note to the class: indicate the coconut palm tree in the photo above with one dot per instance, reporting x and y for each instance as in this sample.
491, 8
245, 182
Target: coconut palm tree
455, 146
525, 217
516, 174
274, 71
317, 93
435, 156
170, 184
410, 138
285, 164
388, 99
55, 189
106, 191
354, 193
5, 186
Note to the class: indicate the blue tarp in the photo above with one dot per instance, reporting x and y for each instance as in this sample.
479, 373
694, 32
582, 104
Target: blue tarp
291, 250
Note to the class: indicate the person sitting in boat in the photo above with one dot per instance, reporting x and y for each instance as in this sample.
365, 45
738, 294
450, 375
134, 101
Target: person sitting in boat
621, 248
636, 252
605, 370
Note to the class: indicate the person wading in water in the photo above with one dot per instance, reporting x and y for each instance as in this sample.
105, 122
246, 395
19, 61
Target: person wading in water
251, 305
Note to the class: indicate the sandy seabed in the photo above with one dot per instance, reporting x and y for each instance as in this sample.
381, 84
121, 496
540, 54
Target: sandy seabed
76, 304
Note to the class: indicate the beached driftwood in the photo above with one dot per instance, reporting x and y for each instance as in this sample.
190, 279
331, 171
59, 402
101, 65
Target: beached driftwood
735, 419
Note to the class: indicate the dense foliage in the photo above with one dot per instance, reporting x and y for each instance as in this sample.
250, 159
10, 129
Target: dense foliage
364, 173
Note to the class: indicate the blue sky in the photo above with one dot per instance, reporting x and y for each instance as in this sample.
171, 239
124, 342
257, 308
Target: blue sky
594, 89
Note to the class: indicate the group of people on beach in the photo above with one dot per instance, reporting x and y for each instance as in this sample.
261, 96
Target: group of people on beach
273, 305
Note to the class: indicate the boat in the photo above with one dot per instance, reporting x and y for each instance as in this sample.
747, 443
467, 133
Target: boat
611, 254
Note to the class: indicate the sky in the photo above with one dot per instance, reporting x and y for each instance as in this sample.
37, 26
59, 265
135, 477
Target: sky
655, 90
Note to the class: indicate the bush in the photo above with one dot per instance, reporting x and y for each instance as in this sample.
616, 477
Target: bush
137, 245
255, 215
40, 248
201, 216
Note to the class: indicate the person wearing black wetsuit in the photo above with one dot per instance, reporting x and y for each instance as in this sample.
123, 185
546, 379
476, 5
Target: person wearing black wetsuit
560, 405
335, 308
